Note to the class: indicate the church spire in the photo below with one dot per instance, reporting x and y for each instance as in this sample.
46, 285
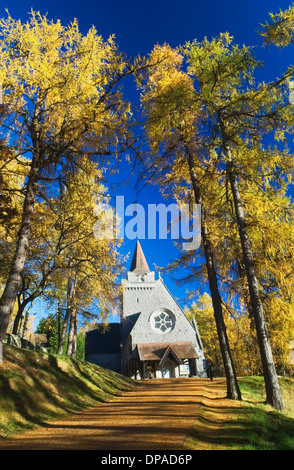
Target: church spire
139, 264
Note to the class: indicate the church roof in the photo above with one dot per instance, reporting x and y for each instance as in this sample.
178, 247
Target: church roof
139, 264
169, 352
158, 351
103, 341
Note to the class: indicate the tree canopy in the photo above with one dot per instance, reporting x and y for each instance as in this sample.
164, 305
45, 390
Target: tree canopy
62, 104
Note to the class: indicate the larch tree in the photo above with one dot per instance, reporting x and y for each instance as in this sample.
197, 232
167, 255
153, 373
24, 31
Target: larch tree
62, 101
216, 110
243, 342
237, 115
12, 176
89, 266
72, 270
269, 216
166, 100
280, 31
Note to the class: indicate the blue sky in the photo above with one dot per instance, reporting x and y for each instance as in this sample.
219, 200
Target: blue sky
138, 26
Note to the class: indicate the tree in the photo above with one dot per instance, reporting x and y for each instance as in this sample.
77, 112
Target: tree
242, 339
49, 327
269, 215
72, 270
12, 175
280, 31
86, 278
203, 312
167, 93
237, 117
219, 114
62, 102
62, 226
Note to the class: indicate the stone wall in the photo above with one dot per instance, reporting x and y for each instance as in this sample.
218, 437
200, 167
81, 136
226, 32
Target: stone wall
38, 345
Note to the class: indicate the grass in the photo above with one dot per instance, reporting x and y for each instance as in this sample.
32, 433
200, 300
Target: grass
264, 427
38, 387
250, 424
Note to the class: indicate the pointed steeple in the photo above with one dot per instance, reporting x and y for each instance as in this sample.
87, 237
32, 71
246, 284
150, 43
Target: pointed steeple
139, 264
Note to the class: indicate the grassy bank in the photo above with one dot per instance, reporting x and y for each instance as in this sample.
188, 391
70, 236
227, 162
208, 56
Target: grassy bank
38, 387
247, 425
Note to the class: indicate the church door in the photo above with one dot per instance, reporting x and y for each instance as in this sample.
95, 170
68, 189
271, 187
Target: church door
167, 370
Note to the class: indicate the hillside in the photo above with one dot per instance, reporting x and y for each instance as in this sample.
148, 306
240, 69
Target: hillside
36, 387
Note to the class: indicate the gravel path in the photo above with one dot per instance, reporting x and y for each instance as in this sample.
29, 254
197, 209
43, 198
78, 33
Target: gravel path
155, 415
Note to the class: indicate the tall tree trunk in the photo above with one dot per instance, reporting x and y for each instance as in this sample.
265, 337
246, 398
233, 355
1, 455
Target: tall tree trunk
18, 317
14, 280
59, 322
273, 392
71, 345
233, 390
69, 296
22, 304
23, 327
63, 331
75, 345
69, 317
245, 288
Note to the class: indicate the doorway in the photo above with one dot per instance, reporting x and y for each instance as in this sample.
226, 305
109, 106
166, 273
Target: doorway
167, 370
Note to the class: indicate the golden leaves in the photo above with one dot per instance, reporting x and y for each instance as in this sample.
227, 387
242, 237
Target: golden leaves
64, 247
166, 93
63, 104
56, 81
280, 30
198, 100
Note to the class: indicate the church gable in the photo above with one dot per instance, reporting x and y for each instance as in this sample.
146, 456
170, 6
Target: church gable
162, 320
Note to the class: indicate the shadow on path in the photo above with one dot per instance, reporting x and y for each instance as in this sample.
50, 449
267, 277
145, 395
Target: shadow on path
156, 415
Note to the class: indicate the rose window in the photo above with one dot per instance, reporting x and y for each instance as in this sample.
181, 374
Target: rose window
162, 321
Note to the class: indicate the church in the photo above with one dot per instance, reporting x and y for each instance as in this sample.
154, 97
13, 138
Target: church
154, 338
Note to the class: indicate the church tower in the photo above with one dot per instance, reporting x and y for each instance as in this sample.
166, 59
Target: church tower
138, 285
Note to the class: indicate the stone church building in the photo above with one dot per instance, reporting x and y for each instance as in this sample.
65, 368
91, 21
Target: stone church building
154, 338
